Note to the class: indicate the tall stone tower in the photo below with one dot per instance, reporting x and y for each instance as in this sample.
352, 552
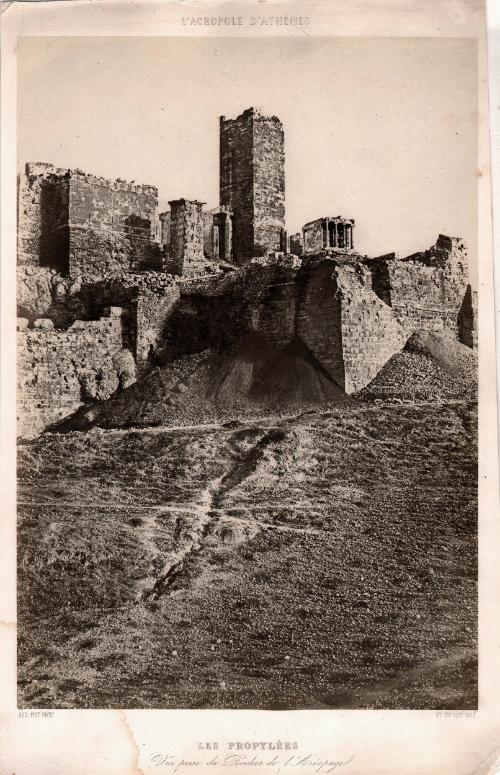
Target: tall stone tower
252, 182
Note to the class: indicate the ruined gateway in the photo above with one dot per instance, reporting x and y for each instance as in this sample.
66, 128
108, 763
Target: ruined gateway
106, 283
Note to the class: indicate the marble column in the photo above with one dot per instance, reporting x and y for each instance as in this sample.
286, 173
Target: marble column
347, 240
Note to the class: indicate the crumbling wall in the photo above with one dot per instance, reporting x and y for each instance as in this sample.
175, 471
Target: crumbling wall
38, 290
153, 311
379, 269
58, 370
427, 290
111, 226
83, 225
371, 332
425, 297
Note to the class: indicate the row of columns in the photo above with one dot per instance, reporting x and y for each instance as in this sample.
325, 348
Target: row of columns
337, 234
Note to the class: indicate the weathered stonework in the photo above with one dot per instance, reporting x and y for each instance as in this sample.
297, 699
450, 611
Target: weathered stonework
43, 207
296, 244
59, 370
83, 225
190, 280
252, 182
428, 290
186, 237
218, 235
333, 233
165, 228
371, 333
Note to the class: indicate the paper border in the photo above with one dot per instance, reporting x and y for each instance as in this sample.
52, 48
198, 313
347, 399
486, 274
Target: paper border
382, 741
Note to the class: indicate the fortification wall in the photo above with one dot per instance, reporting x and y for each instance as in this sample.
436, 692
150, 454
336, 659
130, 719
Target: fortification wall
428, 290
272, 302
42, 222
84, 225
329, 305
371, 332
111, 226
318, 320
427, 297
58, 371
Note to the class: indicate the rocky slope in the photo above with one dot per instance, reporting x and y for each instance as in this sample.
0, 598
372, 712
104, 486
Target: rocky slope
327, 560
250, 379
431, 367
253, 378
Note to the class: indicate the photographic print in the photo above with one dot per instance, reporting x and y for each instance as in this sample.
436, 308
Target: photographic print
247, 372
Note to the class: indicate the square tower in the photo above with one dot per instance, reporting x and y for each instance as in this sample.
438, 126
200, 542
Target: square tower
186, 237
252, 182
84, 225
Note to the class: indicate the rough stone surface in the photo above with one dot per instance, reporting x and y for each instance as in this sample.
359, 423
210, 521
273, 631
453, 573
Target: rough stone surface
186, 237
83, 225
296, 244
42, 237
429, 290
371, 333
252, 182
60, 370
218, 234
212, 280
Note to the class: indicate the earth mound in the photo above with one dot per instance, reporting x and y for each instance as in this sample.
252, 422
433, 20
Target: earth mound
252, 379
431, 367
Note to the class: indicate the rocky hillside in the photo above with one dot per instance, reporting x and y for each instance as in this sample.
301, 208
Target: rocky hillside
323, 561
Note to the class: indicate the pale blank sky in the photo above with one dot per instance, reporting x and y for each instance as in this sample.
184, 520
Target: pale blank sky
380, 130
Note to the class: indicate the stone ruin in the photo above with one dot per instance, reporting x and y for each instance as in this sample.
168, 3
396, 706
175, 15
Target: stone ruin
106, 282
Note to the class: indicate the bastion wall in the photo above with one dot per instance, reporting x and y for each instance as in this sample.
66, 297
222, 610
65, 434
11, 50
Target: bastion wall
59, 370
86, 245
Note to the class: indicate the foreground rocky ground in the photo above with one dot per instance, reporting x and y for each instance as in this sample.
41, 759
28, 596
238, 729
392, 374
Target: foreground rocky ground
326, 560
